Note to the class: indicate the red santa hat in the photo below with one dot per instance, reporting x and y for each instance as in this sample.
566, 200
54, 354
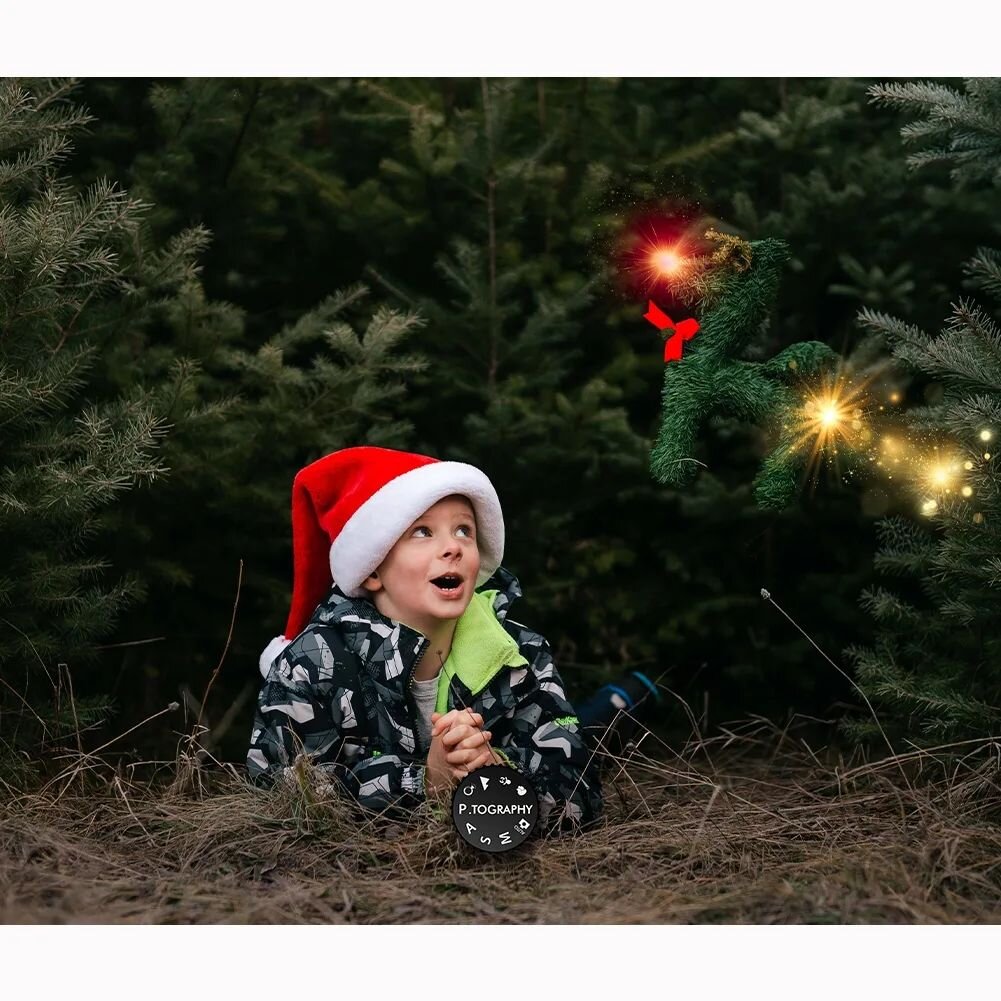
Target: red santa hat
350, 508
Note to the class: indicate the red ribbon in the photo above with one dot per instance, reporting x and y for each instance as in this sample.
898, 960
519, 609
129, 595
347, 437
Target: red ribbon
683, 331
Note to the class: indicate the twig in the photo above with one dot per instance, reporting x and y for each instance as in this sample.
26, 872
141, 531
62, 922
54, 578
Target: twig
115, 646
33, 650
27, 705
128, 806
92, 754
215, 673
76, 721
767, 596
368, 269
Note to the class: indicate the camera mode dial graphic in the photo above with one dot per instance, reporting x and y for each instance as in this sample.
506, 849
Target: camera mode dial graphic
495, 808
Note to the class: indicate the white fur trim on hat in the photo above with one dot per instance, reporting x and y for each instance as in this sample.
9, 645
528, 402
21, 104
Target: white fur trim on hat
271, 651
372, 531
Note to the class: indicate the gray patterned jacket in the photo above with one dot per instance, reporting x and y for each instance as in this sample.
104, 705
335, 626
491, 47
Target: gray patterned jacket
340, 694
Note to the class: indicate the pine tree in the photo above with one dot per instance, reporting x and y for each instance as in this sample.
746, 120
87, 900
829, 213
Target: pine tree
65, 460
510, 386
246, 419
936, 664
813, 165
334, 181
119, 343
961, 129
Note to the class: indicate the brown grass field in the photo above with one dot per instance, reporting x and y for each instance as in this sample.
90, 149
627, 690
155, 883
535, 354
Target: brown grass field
751, 827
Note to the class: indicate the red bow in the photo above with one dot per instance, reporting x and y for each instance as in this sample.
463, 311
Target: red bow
683, 331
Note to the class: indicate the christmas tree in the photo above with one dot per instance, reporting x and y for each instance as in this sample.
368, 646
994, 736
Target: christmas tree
935, 666
109, 341
736, 287
255, 385
65, 460
309, 186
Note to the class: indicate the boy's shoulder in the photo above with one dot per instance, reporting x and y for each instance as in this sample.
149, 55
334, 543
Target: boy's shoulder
524, 635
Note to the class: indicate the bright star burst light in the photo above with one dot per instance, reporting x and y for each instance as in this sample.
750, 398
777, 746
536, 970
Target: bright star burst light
940, 473
666, 261
830, 417
934, 471
659, 247
842, 425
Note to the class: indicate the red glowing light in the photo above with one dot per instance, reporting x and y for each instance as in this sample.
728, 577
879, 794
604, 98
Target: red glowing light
665, 261
655, 248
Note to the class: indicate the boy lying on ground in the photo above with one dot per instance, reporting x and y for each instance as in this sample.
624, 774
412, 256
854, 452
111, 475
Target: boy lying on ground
399, 681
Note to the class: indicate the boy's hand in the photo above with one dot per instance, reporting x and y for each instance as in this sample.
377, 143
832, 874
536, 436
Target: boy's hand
457, 748
466, 729
454, 716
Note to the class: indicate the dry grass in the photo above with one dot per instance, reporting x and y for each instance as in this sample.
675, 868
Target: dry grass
752, 826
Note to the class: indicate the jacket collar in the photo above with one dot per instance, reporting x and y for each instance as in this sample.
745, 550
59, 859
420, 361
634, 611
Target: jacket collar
388, 649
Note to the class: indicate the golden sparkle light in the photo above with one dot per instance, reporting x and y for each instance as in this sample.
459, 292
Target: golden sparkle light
939, 473
985, 435
941, 476
829, 414
830, 417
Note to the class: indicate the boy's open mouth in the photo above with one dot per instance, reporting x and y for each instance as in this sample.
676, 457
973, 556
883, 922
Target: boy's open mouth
448, 585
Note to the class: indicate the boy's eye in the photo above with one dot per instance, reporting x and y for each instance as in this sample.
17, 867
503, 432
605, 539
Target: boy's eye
468, 528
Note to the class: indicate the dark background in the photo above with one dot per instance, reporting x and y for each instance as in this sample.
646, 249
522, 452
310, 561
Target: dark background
547, 377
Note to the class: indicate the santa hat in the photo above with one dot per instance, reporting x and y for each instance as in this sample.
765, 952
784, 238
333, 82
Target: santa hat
350, 508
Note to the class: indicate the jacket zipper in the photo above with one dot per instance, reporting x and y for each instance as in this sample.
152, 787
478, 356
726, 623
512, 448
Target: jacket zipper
411, 705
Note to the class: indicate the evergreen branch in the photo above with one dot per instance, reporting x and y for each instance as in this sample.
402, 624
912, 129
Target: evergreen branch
966, 128
985, 270
916, 96
905, 336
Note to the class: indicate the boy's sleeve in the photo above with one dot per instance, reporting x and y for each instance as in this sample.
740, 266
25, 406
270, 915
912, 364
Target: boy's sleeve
311, 703
542, 739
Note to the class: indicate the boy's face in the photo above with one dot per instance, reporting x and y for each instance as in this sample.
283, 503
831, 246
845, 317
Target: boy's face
442, 540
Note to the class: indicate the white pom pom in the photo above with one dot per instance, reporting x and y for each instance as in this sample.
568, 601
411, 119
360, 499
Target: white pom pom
271, 651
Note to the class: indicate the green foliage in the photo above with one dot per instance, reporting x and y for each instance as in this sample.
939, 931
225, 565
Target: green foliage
482, 206
108, 340
963, 129
934, 666
65, 459
713, 378
246, 420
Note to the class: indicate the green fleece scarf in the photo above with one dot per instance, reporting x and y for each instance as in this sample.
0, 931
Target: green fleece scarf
481, 646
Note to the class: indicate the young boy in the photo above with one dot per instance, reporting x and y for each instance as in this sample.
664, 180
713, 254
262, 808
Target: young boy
403, 673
